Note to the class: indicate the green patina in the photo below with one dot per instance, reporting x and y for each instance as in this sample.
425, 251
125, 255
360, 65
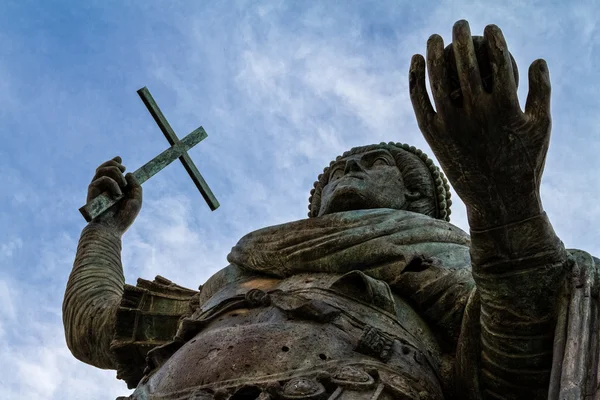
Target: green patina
178, 149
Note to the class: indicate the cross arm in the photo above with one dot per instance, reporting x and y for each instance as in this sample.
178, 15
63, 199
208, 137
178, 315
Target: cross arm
185, 159
104, 201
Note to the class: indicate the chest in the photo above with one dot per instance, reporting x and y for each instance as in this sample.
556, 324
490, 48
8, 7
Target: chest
309, 334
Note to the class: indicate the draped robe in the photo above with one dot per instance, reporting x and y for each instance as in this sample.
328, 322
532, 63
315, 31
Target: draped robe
382, 243
424, 260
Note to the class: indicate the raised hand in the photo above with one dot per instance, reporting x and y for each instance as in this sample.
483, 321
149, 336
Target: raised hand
492, 152
109, 178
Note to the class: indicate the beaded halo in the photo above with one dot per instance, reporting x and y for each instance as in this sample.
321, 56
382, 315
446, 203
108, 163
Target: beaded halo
439, 183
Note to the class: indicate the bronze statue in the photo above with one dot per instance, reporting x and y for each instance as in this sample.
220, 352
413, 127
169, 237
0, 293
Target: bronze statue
376, 295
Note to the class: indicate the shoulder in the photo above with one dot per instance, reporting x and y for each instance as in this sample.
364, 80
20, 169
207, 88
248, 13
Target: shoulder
148, 316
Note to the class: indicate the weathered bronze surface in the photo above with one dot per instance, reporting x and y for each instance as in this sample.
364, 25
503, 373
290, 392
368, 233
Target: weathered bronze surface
375, 295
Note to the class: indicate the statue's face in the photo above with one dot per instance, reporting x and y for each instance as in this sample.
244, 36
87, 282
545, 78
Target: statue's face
363, 181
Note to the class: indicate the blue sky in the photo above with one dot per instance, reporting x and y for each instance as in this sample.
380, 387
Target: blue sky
280, 87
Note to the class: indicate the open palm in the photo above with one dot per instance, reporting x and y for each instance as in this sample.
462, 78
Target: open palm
492, 152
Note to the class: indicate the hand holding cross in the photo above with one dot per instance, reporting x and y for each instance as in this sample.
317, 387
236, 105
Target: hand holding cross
115, 200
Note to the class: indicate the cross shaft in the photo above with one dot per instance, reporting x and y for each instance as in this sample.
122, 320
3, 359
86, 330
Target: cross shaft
185, 159
178, 149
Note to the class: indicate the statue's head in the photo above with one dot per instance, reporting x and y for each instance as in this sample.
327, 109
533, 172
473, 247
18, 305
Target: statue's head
386, 175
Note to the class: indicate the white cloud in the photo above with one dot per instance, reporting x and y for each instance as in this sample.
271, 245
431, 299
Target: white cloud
8, 248
45, 369
281, 90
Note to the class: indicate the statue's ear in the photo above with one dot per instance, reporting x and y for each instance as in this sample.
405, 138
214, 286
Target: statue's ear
412, 196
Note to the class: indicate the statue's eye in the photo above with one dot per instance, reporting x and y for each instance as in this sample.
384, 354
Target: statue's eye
380, 161
336, 174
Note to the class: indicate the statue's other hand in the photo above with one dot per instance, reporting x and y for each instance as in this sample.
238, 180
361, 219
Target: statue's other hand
109, 178
492, 152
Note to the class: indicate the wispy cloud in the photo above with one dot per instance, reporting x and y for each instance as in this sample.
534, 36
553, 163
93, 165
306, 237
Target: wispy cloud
281, 87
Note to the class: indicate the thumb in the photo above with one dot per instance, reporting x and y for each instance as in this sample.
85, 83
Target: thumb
134, 189
133, 194
538, 99
132, 203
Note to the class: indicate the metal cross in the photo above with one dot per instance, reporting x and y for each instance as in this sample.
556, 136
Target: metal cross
178, 149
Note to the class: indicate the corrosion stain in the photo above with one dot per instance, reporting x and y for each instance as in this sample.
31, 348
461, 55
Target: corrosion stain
260, 283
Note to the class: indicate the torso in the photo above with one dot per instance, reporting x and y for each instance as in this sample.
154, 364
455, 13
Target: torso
310, 336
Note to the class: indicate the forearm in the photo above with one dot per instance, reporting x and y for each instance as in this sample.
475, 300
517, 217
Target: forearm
518, 269
92, 296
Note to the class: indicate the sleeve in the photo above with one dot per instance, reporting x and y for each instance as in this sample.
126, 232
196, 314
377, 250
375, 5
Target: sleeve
519, 270
575, 364
147, 317
92, 296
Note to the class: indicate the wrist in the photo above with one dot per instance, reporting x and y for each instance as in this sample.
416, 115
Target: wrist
99, 246
526, 245
499, 212
103, 229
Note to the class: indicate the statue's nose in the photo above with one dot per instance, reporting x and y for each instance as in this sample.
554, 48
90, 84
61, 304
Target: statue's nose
352, 166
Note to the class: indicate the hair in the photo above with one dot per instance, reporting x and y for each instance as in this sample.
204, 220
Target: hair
420, 176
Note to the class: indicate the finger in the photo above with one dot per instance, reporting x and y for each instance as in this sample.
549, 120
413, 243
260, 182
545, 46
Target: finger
113, 172
112, 163
439, 80
503, 79
418, 93
466, 62
538, 99
104, 184
134, 189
